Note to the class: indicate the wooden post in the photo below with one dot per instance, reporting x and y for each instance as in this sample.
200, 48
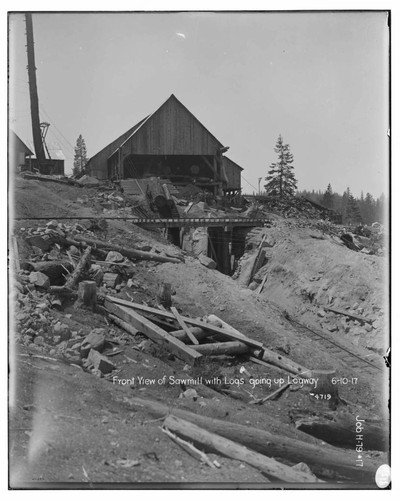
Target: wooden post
164, 295
226, 260
36, 132
87, 295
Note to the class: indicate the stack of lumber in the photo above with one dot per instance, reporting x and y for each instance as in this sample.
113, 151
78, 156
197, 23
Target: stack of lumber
189, 339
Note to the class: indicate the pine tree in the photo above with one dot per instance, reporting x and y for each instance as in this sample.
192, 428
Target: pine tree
353, 215
281, 180
80, 158
327, 199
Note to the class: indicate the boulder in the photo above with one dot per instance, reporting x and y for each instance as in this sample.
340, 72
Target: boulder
39, 279
111, 280
42, 242
114, 257
61, 330
95, 340
207, 262
87, 180
53, 224
100, 362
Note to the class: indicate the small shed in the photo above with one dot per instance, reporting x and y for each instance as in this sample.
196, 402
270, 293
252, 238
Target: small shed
19, 154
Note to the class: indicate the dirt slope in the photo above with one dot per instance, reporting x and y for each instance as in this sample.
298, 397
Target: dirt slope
79, 428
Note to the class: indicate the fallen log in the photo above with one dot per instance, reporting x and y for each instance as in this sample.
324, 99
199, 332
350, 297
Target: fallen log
267, 355
323, 459
184, 326
228, 448
220, 348
126, 252
339, 429
199, 333
352, 316
63, 291
155, 333
124, 325
73, 278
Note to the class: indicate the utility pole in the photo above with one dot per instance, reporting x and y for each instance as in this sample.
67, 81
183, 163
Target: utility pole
36, 131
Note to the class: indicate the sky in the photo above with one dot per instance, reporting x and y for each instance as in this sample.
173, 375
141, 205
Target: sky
321, 80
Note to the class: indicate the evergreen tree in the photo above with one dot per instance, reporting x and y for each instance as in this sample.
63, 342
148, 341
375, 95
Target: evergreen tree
281, 180
327, 199
80, 158
353, 215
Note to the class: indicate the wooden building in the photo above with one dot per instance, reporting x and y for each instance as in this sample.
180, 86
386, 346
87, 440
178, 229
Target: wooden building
18, 153
21, 157
170, 143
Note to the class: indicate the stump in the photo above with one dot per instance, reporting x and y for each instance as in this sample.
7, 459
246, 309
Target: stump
87, 295
164, 295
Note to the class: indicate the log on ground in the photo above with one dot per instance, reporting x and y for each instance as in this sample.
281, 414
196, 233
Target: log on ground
324, 460
127, 252
222, 348
208, 441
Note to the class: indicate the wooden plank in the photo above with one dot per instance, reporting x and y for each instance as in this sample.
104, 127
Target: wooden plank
15, 253
195, 322
183, 325
262, 283
154, 333
352, 316
228, 448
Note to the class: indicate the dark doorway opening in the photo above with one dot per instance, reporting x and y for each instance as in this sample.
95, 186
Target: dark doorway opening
226, 247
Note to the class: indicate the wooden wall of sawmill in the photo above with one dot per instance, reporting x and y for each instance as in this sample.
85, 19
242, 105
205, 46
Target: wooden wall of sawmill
233, 173
172, 130
97, 166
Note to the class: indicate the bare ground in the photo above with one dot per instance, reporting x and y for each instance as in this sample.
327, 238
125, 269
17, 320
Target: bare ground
67, 425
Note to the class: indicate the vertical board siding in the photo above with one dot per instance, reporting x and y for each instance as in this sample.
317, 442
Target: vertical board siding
172, 130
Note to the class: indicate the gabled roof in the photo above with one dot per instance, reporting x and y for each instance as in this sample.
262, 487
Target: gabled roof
14, 137
138, 126
228, 160
123, 138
